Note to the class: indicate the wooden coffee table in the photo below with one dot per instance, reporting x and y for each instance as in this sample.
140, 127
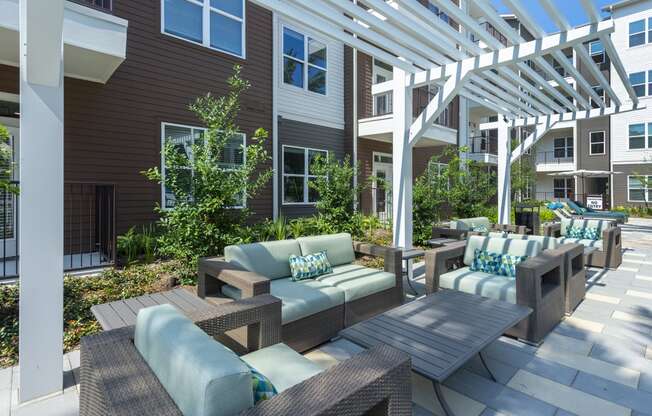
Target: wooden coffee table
441, 332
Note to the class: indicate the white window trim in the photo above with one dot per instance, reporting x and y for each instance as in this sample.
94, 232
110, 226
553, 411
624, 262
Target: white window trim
646, 134
206, 26
645, 190
644, 31
604, 143
598, 53
646, 82
306, 64
306, 176
186, 126
566, 147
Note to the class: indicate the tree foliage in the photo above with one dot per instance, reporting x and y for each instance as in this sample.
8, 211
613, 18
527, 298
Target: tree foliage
207, 186
6, 163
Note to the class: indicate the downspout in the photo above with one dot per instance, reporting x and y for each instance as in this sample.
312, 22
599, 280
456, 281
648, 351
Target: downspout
275, 164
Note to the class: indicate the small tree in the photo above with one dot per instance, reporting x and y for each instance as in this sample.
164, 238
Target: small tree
429, 198
336, 194
471, 186
205, 186
646, 183
6, 163
523, 173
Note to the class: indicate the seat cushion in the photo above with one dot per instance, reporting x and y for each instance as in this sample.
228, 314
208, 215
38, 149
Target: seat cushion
479, 283
269, 258
338, 247
358, 281
467, 224
568, 223
283, 366
299, 299
585, 242
500, 246
202, 376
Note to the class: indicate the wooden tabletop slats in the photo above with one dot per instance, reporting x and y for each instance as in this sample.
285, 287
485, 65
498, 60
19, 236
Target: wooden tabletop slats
441, 332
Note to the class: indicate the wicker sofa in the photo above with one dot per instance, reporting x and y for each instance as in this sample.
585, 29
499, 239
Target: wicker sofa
609, 247
573, 266
461, 228
117, 380
314, 310
539, 282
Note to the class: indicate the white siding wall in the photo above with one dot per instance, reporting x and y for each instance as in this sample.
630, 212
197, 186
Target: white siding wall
306, 106
634, 59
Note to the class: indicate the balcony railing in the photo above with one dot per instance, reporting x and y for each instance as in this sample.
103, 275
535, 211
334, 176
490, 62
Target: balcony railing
104, 5
481, 144
545, 158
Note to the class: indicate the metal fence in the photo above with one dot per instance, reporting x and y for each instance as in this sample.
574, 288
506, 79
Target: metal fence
552, 157
106, 5
481, 144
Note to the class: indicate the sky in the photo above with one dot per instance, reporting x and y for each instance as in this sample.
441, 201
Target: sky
572, 9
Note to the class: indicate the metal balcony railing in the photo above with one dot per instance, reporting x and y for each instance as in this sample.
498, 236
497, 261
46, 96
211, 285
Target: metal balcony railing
104, 5
481, 144
544, 158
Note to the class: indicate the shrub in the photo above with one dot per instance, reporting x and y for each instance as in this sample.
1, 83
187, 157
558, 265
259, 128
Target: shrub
133, 245
203, 219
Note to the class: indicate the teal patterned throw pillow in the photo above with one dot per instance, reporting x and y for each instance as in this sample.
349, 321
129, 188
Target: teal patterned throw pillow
508, 264
262, 387
480, 229
591, 234
309, 266
575, 232
484, 261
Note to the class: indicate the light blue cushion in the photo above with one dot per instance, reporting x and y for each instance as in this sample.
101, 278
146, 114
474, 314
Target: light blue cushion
269, 258
500, 246
358, 281
283, 366
480, 283
587, 243
298, 299
309, 266
338, 247
601, 225
202, 377
466, 224
547, 243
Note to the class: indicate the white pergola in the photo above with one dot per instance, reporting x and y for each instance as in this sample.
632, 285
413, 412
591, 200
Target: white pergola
423, 50
426, 50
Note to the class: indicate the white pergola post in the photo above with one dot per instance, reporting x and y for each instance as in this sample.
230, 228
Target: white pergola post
41, 198
402, 161
504, 171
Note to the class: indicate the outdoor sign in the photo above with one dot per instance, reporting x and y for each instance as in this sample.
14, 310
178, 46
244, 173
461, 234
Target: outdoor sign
594, 202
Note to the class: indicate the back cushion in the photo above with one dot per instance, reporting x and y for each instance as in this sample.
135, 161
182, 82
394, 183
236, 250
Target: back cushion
601, 225
500, 246
338, 247
547, 243
270, 259
202, 377
466, 224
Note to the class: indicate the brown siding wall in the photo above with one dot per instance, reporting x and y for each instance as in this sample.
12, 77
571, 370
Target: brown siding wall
620, 190
365, 77
112, 132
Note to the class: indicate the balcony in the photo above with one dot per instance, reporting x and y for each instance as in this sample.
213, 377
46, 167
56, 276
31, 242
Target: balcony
554, 161
95, 41
483, 149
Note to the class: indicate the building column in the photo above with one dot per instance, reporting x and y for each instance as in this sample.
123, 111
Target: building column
41, 198
402, 161
463, 126
504, 172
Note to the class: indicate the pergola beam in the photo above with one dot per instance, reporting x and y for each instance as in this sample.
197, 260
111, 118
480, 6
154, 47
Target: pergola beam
539, 131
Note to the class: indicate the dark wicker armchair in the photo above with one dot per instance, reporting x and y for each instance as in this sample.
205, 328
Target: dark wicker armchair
116, 381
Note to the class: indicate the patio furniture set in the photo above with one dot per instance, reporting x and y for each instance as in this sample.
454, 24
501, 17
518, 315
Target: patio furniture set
173, 352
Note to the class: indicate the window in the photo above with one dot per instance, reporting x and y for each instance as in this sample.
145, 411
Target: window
382, 103
563, 147
304, 61
183, 137
443, 16
216, 24
637, 136
637, 190
637, 80
596, 143
297, 163
563, 187
596, 50
636, 33
600, 91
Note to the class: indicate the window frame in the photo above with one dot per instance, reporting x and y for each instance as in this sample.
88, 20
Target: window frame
207, 9
604, 142
644, 32
602, 52
644, 136
646, 190
644, 83
567, 140
305, 62
600, 91
192, 128
387, 96
568, 189
306, 174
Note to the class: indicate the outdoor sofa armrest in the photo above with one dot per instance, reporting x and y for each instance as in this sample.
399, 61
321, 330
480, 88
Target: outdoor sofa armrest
445, 232
612, 246
115, 379
439, 261
537, 276
376, 381
214, 272
552, 229
392, 257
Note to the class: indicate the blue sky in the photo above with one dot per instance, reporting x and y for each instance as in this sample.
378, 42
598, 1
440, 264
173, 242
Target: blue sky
572, 9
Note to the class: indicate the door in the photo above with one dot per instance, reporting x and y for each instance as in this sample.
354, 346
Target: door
382, 190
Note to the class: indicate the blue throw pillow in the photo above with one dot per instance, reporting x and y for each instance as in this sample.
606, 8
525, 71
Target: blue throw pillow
508, 264
480, 229
309, 266
484, 261
263, 388
575, 232
591, 234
